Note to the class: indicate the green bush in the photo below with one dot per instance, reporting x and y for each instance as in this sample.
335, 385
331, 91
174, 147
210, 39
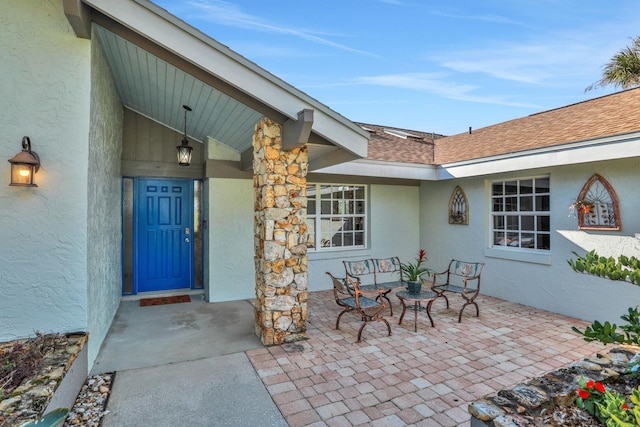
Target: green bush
626, 269
607, 333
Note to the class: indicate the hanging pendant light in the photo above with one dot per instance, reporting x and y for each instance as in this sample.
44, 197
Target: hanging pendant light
184, 150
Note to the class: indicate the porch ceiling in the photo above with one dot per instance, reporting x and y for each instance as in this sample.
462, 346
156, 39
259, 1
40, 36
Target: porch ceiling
156, 89
159, 63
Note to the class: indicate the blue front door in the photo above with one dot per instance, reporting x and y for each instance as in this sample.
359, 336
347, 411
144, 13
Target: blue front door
164, 227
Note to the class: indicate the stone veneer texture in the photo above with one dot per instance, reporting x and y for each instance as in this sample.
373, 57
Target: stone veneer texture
528, 403
280, 236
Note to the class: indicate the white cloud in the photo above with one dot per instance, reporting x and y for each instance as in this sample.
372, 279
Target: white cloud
437, 84
496, 19
226, 13
536, 63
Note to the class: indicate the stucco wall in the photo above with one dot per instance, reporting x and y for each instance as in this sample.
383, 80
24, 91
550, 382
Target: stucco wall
45, 86
394, 231
230, 239
104, 234
553, 285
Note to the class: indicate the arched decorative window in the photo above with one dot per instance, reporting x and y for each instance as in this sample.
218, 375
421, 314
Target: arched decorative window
597, 205
458, 207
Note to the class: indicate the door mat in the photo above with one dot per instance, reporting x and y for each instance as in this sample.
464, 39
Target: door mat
164, 300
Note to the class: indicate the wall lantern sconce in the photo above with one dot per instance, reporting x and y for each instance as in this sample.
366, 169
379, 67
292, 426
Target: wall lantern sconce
184, 151
24, 165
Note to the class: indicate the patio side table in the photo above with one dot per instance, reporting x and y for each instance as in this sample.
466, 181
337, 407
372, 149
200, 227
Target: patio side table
422, 297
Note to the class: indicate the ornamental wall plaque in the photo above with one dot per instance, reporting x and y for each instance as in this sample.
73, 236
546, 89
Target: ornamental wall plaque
458, 207
600, 211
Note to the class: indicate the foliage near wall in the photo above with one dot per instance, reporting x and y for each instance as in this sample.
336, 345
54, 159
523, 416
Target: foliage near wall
624, 268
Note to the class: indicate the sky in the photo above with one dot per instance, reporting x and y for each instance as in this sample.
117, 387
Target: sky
432, 66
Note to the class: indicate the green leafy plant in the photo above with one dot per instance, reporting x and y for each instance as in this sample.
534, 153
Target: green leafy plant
415, 271
635, 400
607, 333
624, 268
591, 394
614, 411
51, 419
610, 408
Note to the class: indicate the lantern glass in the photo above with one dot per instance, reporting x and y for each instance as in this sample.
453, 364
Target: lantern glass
22, 175
24, 165
184, 155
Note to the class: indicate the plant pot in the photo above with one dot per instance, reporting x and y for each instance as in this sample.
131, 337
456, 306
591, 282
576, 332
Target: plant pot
414, 287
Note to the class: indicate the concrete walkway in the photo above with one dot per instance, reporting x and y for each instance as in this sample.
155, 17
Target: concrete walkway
200, 364
184, 364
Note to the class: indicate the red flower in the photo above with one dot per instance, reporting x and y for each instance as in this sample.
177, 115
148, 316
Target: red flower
422, 254
600, 387
590, 384
583, 393
625, 407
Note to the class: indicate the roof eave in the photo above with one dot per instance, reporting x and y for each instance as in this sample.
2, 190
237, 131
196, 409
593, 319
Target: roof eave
600, 149
383, 169
173, 34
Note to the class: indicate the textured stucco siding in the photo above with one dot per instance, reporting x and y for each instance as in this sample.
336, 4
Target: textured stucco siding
230, 236
551, 286
45, 87
104, 234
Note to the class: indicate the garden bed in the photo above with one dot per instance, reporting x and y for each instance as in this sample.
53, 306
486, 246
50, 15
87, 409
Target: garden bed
550, 400
40, 374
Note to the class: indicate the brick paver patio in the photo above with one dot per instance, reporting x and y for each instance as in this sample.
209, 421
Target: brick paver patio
424, 378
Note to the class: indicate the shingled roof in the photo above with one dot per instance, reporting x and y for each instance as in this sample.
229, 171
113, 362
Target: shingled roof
610, 115
400, 145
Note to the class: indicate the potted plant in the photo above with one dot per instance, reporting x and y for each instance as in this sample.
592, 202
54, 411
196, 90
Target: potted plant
414, 272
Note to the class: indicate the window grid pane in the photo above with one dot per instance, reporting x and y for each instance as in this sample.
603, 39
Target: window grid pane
341, 222
520, 211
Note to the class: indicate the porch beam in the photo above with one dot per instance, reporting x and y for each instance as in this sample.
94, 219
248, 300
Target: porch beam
332, 158
79, 17
295, 133
161, 169
225, 169
246, 159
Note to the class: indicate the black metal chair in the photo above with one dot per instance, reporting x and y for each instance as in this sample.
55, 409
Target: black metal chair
348, 295
462, 278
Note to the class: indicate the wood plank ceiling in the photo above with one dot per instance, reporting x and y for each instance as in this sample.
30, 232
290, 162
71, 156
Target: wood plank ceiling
156, 89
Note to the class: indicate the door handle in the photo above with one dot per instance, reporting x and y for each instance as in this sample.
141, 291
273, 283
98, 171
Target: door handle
186, 239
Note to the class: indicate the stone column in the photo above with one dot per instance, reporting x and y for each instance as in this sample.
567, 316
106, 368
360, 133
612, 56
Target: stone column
280, 236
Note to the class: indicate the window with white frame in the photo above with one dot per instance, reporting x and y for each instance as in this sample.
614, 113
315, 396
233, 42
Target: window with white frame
336, 216
520, 214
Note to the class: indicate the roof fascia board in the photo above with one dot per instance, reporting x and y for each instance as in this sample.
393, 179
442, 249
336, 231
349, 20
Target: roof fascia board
601, 149
181, 39
377, 168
